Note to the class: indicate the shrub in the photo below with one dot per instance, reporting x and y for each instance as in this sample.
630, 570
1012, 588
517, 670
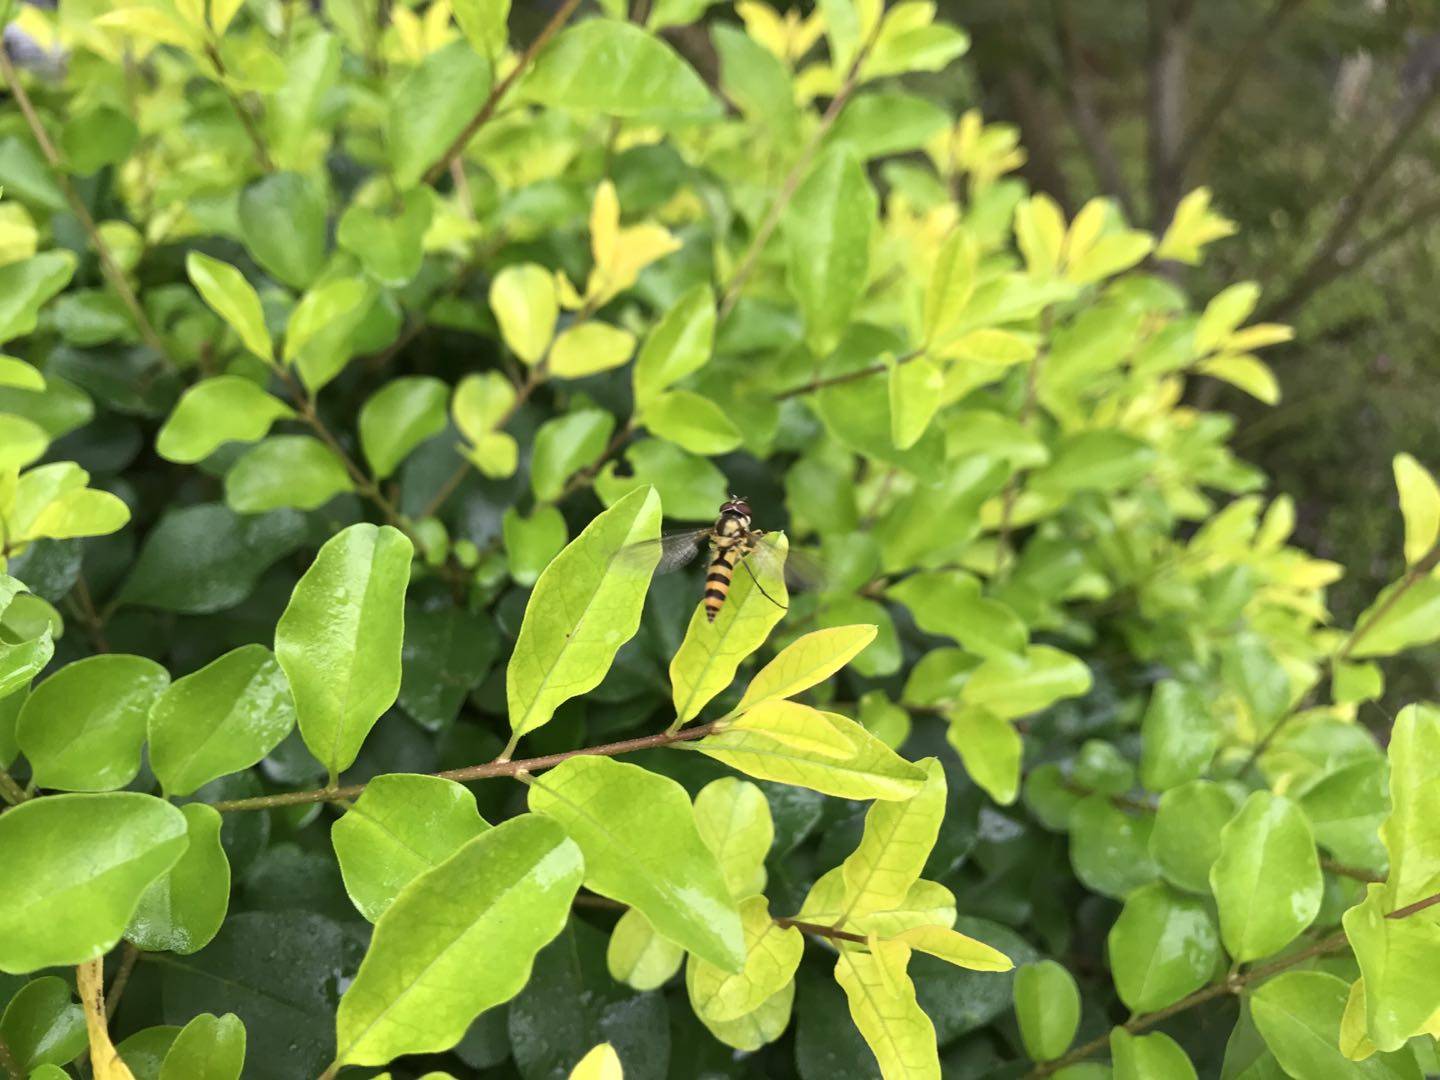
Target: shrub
359, 359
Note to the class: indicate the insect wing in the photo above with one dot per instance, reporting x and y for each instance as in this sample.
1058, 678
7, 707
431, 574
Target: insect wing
675, 549
802, 570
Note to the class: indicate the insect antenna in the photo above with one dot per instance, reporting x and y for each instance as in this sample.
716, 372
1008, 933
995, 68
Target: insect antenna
746, 563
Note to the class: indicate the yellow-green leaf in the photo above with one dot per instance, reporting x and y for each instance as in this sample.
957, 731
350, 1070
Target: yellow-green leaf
873, 771
883, 1005
733, 817
798, 726
601, 1063
585, 605
638, 956
990, 748
806, 662
1245, 372
708, 658
896, 842
526, 307
915, 388
954, 948
590, 348
1419, 505
232, 298
772, 953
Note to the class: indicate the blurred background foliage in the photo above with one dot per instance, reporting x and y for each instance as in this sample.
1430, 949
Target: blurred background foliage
1316, 123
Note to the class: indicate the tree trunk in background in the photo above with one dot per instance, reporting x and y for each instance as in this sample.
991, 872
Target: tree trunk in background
1168, 41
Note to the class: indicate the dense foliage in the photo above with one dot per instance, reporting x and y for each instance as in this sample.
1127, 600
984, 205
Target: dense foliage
357, 359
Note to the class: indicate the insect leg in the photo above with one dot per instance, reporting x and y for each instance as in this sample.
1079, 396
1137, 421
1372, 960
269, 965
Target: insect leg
745, 563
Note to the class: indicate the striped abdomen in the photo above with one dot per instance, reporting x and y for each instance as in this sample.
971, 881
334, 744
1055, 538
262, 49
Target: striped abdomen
717, 580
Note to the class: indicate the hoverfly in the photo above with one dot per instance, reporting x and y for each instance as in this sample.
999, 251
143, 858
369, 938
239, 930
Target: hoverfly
732, 543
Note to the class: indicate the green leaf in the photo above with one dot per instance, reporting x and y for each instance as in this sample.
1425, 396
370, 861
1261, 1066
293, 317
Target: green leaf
1109, 849
879, 124
282, 221
340, 636
1163, 946
82, 728
25, 286
1224, 314
458, 940
872, 771
219, 720
526, 307
1016, 685
734, 820
1186, 839
1178, 736
951, 284
21, 441
589, 348
42, 1025
926, 904
20, 374
565, 445
1298, 1013
399, 417
432, 106
1419, 505
206, 558
1267, 879
1047, 1006
285, 470
447, 651
755, 1029
232, 298
1148, 1057
1415, 806
183, 909
915, 389
1346, 809
689, 486
483, 22
481, 401
894, 846
772, 955
1404, 615
990, 748
388, 245
711, 653
76, 867
680, 344
214, 412
949, 603
807, 661
532, 543
1248, 373
611, 66
827, 228
691, 421
209, 1047
318, 335
638, 956
1096, 461
1397, 959
883, 1005
402, 826
585, 605
637, 831
1112, 254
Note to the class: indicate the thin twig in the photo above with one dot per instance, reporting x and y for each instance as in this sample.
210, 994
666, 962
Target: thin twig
586, 476
1317, 270
129, 957
1229, 85
492, 100
817, 930
108, 266
247, 121
11, 791
474, 772
771, 221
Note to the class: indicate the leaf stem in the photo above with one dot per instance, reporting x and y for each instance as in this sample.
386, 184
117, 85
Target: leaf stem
108, 266
242, 112
473, 772
10, 791
492, 101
